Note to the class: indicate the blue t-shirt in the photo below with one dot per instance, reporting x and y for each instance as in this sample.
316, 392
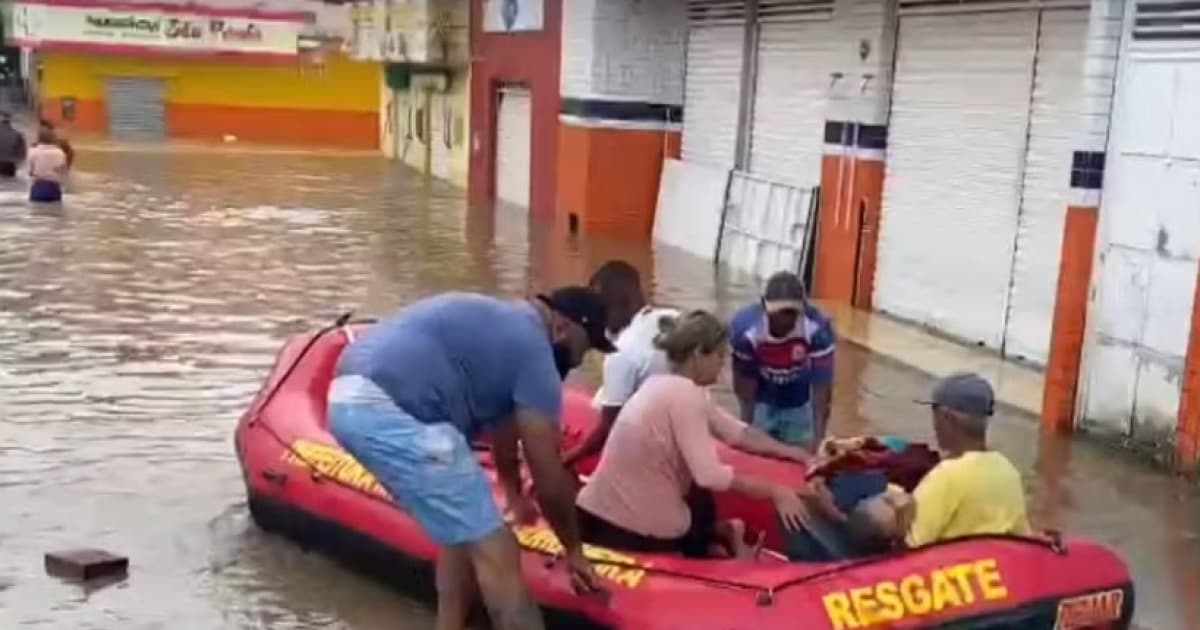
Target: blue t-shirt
786, 367
460, 358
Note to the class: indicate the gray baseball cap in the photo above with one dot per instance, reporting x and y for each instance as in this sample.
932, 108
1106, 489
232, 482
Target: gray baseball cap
965, 392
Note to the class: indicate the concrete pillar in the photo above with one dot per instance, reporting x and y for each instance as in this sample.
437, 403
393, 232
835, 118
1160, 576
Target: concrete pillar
622, 72
852, 167
1063, 368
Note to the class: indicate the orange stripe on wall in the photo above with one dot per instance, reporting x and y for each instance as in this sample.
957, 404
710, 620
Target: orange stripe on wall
1187, 431
90, 116
608, 178
848, 229
867, 196
831, 266
1070, 318
275, 125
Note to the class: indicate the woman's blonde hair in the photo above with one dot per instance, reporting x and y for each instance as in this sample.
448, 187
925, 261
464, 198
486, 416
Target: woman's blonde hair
680, 337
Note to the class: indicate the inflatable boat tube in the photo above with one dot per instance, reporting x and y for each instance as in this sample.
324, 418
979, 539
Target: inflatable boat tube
300, 484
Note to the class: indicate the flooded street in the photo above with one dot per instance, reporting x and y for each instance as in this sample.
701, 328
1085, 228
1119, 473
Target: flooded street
136, 322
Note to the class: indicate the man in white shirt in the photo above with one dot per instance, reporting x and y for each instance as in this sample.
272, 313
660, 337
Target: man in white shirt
632, 324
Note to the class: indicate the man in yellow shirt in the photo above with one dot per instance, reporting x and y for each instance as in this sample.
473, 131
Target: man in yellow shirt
973, 490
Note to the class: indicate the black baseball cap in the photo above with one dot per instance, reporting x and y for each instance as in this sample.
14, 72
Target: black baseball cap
965, 392
584, 307
784, 291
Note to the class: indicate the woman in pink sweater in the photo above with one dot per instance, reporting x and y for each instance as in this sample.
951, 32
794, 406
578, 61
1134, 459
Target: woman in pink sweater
652, 489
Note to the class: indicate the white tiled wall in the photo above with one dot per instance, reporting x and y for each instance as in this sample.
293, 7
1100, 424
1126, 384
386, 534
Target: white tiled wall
624, 50
1149, 239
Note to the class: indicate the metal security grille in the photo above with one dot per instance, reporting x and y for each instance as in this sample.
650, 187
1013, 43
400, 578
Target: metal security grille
792, 10
136, 109
702, 12
1167, 21
910, 7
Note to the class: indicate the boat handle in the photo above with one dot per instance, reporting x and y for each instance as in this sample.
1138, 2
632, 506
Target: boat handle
274, 476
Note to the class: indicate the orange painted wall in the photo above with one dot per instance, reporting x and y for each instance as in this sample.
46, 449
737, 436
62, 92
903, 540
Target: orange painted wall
208, 98
608, 178
1070, 318
275, 125
1187, 431
851, 200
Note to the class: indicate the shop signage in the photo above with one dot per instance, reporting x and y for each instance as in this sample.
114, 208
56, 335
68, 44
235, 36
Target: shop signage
48, 25
513, 15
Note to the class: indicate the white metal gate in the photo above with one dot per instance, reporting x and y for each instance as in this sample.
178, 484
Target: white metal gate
136, 108
441, 121
1055, 111
712, 82
788, 123
513, 146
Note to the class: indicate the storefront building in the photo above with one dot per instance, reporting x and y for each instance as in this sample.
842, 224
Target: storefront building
571, 116
223, 74
981, 169
424, 83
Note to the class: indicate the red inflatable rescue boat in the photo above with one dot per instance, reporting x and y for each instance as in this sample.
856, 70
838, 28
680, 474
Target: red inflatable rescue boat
300, 484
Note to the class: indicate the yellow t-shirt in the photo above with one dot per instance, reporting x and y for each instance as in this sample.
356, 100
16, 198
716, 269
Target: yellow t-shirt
975, 493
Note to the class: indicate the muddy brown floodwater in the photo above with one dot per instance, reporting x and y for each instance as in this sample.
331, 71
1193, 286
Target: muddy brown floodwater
137, 321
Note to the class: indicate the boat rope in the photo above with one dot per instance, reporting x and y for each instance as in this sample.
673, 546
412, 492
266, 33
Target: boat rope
765, 595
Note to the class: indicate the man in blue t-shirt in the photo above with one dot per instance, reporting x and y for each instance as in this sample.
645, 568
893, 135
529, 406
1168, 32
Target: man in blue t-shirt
783, 363
414, 389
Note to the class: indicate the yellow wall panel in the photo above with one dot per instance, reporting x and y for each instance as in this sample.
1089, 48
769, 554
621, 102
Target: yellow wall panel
345, 85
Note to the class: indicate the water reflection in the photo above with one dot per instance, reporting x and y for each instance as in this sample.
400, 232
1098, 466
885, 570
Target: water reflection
137, 319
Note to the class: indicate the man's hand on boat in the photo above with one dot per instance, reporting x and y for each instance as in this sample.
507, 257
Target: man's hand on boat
583, 576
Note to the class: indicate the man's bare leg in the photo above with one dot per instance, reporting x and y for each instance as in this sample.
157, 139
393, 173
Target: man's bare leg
455, 587
497, 563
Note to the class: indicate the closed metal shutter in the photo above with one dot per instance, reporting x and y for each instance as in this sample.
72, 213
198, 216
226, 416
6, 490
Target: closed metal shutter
136, 108
1055, 110
960, 109
789, 98
712, 82
513, 140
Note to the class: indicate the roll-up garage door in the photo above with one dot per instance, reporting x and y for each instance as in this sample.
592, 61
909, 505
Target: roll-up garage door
1056, 107
136, 108
513, 140
959, 118
794, 46
712, 82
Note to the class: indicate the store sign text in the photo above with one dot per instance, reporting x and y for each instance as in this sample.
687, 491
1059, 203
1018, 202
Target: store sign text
170, 30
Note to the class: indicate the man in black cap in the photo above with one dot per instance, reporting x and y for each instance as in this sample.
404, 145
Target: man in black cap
411, 392
783, 363
973, 490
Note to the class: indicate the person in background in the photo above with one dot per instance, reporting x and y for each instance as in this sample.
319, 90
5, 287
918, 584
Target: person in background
12, 147
59, 139
412, 390
653, 487
783, 350
973, 490
632, 324
47, 169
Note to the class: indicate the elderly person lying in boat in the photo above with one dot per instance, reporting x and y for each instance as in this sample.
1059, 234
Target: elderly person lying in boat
972, 491
653, 487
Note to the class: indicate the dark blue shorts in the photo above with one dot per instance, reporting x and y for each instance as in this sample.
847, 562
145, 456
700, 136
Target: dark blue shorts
45, 191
